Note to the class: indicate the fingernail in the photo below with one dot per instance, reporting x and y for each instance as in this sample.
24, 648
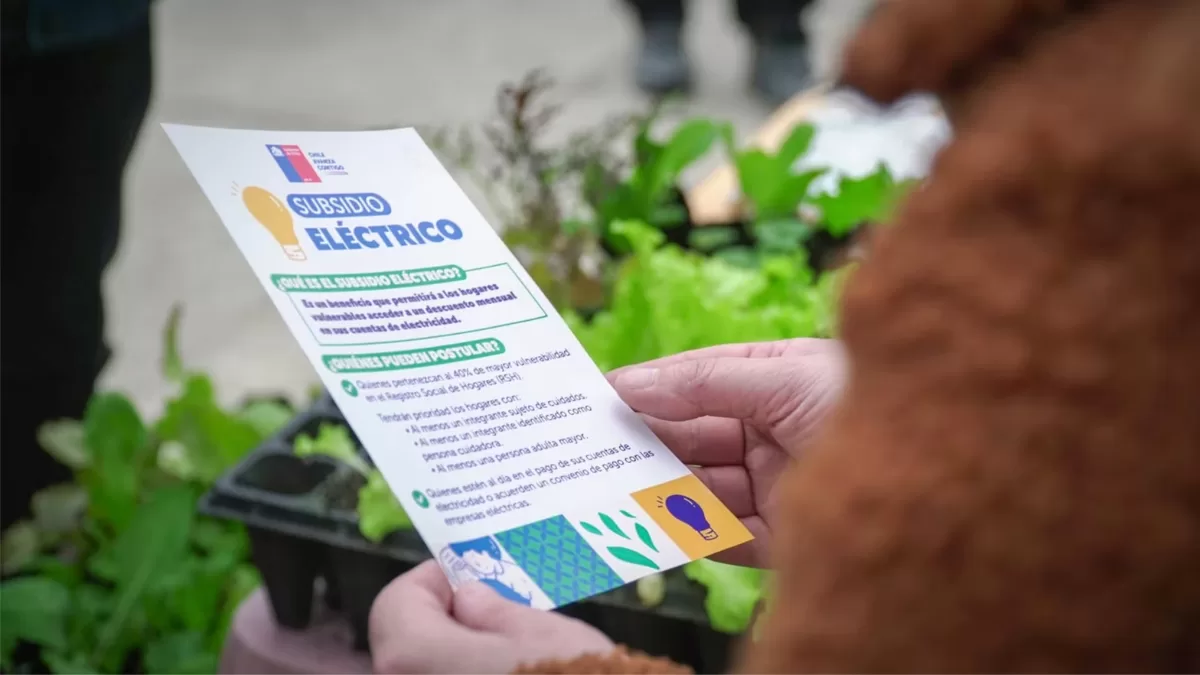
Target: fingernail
637, 378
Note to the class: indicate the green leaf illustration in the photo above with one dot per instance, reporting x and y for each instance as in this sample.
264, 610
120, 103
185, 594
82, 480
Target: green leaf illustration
627, 514
644, 535
591, 528
632, 557
612, 525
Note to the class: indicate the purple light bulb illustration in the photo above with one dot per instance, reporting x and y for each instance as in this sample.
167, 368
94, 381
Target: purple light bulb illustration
687, 511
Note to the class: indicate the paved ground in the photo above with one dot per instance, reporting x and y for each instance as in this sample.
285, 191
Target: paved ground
352, 64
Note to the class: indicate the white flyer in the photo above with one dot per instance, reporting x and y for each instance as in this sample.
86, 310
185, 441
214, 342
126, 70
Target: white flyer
518, 464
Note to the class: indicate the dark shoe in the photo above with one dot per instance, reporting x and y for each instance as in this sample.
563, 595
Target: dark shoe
781, 70
662, 66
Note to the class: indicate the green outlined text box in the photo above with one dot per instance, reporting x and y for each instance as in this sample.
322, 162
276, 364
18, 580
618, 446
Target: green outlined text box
372, 311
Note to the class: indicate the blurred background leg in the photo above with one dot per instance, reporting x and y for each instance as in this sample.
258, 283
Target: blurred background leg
70, 120
662, 65
782, 63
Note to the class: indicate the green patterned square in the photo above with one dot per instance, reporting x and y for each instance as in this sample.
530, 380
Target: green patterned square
558, 560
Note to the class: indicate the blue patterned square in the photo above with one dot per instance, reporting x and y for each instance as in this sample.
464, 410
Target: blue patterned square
558, 560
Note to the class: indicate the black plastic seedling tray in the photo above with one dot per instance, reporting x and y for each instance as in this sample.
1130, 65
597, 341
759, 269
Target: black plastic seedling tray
304, 536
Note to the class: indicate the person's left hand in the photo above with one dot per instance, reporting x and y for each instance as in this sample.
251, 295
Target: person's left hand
418, 624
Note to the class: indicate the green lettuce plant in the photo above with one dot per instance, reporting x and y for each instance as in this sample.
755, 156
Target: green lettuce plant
667, 300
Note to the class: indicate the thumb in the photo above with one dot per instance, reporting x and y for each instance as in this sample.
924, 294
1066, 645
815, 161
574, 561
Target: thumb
767, 392
480, 608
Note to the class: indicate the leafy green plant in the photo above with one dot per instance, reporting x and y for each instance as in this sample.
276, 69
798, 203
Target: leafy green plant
379, 512
667, 300
774, 190
115, 572
645, 194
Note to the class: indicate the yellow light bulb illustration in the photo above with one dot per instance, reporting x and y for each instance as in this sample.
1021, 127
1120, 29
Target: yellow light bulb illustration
273, 214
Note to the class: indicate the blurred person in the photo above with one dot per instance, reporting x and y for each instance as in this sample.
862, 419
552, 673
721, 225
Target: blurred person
1009, 478
75, 85
781, 66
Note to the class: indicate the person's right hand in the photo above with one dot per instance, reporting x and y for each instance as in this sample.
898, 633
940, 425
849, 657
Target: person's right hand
738, 414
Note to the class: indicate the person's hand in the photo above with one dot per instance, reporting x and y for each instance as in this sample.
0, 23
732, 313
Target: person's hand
738, 414
418, 624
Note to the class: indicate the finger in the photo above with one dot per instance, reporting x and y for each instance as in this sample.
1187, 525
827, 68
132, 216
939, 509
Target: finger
731, 485
744, 350
480, 608
420, 597
426, 584
410, 624
758, 390
707, 441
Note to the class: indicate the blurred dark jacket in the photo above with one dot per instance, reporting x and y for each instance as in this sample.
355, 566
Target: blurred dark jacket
53, 25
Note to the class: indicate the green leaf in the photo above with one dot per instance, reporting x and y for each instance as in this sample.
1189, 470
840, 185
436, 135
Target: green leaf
869, 199
213, 440
172, 363
64, 441
712, 237
725, 132
690, 141
793, 190
266, 417
591, 528
739, 256
62, 663
18, 547
733, 593
645, 150
631, 556
58, 509
795, 145
379, 512
32, 609
182, 652
759, 177
612, 526
627, 514
332, 440
91, 609
668, 215
644, 535
143, 556
117, 442
638, 236
781, 234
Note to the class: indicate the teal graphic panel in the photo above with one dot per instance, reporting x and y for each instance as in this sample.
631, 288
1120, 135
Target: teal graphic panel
558, 560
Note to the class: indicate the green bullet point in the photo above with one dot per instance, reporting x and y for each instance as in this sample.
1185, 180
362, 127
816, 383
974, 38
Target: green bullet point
420, 499
349, 388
